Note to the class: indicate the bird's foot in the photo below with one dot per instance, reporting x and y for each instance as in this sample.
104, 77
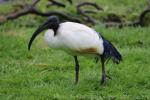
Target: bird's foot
104, 78
108, 76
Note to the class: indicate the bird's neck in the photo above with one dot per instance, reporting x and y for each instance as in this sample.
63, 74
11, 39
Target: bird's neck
51, 39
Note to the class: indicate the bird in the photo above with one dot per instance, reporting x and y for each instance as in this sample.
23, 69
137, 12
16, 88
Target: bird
77, 39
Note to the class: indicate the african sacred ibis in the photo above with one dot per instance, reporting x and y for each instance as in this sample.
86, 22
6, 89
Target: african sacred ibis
77, 39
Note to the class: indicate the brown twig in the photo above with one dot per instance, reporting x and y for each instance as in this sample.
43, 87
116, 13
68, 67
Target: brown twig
139, 22
142, 16
39, 13
56, 3
31, 9
60, 14
83, 13
90, 11
70, 1
53, 2
141, 19
90, 4
34, 2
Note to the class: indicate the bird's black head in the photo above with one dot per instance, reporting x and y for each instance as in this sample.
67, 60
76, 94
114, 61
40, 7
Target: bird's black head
51, 23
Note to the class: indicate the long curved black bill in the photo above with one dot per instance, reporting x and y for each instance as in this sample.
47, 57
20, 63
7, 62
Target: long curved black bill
51, 23
39, 30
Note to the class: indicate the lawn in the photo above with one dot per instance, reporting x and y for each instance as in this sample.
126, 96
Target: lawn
43, 73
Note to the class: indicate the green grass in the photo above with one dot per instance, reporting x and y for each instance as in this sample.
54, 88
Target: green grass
44, 73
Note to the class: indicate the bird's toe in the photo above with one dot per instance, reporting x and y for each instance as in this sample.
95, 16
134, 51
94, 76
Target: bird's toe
104, 79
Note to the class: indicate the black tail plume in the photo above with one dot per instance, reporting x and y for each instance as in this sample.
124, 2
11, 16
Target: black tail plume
110, 52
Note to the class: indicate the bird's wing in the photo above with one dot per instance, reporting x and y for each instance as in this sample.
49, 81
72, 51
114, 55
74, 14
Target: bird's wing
80, 37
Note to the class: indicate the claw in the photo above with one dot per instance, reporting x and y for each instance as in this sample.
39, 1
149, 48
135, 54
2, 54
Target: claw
103, 80
108, 77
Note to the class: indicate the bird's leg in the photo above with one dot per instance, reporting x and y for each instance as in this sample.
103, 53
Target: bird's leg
104, 75
103, 71
76, 69
103, 80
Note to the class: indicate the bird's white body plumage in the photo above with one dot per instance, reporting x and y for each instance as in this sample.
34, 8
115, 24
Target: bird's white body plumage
75, 38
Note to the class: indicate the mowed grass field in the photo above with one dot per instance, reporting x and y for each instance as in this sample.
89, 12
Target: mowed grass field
43, 73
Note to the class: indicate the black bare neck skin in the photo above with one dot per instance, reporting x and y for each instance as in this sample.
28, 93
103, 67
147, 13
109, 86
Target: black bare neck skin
55, 29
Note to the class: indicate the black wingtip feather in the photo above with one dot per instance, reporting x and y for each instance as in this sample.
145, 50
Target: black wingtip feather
111, 52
